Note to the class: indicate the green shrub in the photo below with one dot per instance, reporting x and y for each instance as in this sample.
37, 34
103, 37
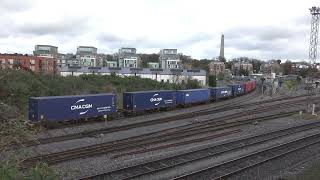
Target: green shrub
212, 80
291, 84
42, 172
9, 170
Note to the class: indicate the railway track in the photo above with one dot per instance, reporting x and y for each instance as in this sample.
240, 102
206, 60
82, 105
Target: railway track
152, 138
232, 167
146, 169
91, 133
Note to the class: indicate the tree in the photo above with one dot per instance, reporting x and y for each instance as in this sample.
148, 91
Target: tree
192, 84
146, 58
201, 64
222, 59
287, 67
244, 72
220, 76
212, 80
228, 64
304, 72
176, 78
256, 64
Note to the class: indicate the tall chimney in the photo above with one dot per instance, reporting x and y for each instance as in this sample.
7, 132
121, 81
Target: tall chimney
222, 46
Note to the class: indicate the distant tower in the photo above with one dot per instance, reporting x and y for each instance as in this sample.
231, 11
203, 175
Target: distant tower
315, 13
222, 46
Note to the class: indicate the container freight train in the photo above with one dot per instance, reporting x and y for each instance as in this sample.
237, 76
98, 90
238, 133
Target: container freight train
72, 108
65, 108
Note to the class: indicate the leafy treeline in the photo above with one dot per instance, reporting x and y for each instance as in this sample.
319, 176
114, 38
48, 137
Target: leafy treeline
284, 67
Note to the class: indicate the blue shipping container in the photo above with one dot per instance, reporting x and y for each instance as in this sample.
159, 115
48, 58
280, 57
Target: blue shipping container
148, 100
64, 108
191, 96
237, 89
220, 92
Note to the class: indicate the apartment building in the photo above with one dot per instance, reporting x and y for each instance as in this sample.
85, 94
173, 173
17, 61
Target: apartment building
47, 51
28, 62
237, 67
169, 59
127, 57
216, 67
87, 56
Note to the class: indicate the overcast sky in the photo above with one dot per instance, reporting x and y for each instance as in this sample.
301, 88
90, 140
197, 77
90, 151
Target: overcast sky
262, 29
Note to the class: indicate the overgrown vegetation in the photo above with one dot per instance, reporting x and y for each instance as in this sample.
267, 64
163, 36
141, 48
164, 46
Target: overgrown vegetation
17, 86
291, 85
212, 80
9, 170
13, 130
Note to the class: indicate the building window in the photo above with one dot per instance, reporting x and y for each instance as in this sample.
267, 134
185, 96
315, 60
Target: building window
32, 62
32, 68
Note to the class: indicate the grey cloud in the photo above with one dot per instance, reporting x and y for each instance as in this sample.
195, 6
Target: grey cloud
14, 5
254, 45
183, 42
267, 41
69, 26
261, 33
303, 20
4, 34
196, 38
107, 38
273, 34
114, 41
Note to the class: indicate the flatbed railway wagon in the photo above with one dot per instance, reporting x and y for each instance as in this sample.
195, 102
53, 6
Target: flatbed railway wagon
192, 96
141, 101
68, 108
218, 93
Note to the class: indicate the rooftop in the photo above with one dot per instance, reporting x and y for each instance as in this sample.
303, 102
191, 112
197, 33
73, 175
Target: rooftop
86, 47
46, 45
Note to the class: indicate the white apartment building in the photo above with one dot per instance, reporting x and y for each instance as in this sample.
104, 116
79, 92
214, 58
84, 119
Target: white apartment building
153, 65
87, 56
127, 57
169, 59
46, 51
112, 64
